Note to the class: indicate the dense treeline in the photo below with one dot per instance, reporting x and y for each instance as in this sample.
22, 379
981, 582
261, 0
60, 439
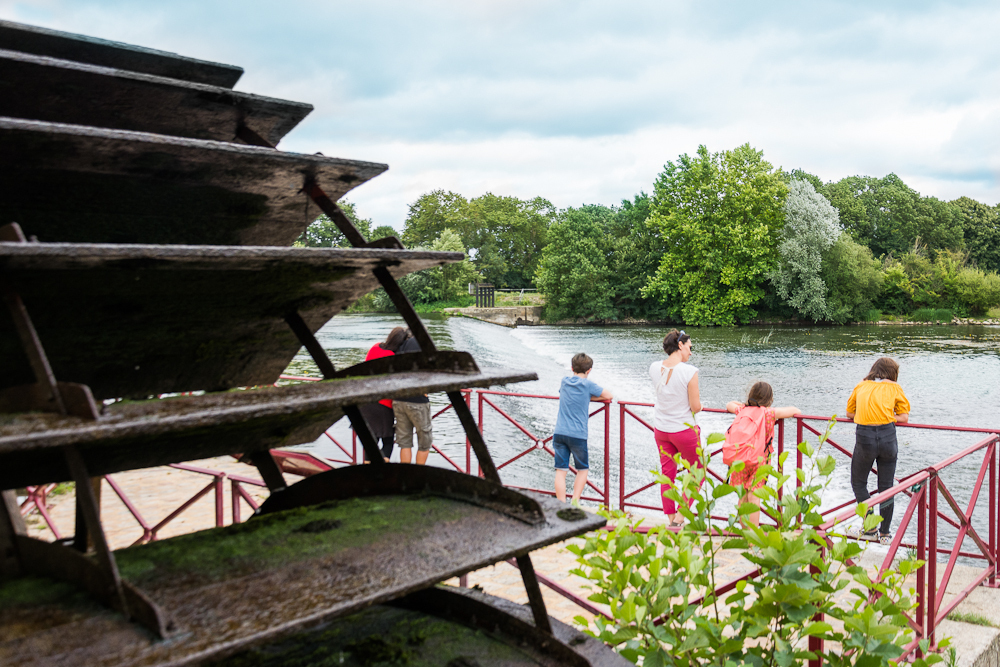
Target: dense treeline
724, 238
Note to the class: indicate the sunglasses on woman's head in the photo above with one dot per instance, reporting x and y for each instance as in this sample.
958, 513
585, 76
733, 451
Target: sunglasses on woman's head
683, 333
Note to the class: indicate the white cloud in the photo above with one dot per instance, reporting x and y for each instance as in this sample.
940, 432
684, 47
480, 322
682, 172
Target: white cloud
584, 101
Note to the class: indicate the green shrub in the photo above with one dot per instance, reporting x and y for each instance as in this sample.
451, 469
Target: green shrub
660, 585
924, 315
943, 315
873, 315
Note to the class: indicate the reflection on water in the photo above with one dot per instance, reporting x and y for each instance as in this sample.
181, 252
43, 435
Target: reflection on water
949, 374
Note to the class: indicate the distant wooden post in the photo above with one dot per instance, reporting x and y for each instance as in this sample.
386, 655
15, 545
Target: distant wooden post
485, 295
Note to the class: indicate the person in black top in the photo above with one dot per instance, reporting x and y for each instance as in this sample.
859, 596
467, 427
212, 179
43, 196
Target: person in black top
413, 413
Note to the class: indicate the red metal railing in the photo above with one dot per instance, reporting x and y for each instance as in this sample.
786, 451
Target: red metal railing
543, 443
924, 490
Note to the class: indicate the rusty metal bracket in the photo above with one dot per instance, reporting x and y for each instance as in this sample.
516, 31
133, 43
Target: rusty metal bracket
46, 394
535, 598
11, 526
475, 437
403, 479
269, 470
318, 354
347, 228
308, 340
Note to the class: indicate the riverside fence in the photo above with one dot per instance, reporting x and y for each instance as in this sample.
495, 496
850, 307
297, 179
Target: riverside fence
937, 525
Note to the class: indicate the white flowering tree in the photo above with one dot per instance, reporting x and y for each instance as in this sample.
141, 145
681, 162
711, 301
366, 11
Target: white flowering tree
811, 228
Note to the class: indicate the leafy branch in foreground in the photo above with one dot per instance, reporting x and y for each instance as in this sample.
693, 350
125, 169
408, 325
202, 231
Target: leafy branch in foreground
661, 585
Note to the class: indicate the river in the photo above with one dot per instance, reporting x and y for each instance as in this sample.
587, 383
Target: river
949, 373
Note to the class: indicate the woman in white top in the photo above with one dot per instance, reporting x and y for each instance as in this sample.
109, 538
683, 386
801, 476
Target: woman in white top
677, 401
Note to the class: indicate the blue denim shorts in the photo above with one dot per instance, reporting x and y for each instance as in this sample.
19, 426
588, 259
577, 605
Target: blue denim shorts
562, 445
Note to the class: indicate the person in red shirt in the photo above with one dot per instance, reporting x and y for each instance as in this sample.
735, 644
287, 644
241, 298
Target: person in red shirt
379, 415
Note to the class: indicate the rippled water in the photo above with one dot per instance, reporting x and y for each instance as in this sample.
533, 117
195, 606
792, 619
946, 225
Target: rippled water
949, 373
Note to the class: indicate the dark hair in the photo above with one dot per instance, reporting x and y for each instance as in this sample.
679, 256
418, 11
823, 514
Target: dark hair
582, 363
760, 395
394, 340
885, 369
672, 341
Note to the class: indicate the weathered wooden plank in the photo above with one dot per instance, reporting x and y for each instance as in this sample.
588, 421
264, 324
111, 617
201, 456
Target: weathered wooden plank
96, 51
282, 574
135, 321
74, 183
52, 90
142, 434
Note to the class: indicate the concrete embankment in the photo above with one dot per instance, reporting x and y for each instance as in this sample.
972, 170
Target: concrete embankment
507, 317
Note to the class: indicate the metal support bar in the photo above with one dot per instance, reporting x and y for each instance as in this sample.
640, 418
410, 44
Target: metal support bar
475, 437
87, 503
11, 525
347, 228
535, 598
269, 470
405, 309
82, 540
308, 340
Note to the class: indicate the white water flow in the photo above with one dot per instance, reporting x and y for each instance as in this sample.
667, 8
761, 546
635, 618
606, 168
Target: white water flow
949, 373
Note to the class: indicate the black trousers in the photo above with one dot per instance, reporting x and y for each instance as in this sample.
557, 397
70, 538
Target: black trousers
875, 444
382, 424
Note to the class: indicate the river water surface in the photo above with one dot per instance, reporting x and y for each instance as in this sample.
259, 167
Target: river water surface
949, 373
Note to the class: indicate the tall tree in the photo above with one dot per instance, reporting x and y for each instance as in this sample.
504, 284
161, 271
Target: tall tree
888, 216
853, 278
719, 216
573, 272
981, 229
811, 227
504, 235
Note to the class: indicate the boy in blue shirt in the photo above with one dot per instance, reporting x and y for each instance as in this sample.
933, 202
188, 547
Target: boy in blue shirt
571, 425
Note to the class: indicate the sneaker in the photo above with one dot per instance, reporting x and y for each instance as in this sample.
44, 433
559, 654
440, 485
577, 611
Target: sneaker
862, 535
885, 538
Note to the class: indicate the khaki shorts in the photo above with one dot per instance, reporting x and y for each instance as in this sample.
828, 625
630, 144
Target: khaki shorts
410, 416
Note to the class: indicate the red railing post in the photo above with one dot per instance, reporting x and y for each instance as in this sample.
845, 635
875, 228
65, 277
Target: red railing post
234, 489
781, 450
621, 456
481, 430
922, 555
992, 453
607, 455
220, 493
798, 454
932, 544
816, 644
468, 443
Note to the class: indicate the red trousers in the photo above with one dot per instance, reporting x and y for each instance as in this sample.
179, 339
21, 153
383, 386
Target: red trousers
685, 443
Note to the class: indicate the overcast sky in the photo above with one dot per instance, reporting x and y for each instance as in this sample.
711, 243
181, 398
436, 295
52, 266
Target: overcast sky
583, 102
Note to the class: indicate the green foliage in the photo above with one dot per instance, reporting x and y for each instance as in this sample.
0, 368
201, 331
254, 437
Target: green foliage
914, 281
718, 216
923, 315
448, 283
811, 227
573, 273
504, 235
597, 261
324, 233
381, 232
970, 617
887, 216
660, 585
853, 278
981, 228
